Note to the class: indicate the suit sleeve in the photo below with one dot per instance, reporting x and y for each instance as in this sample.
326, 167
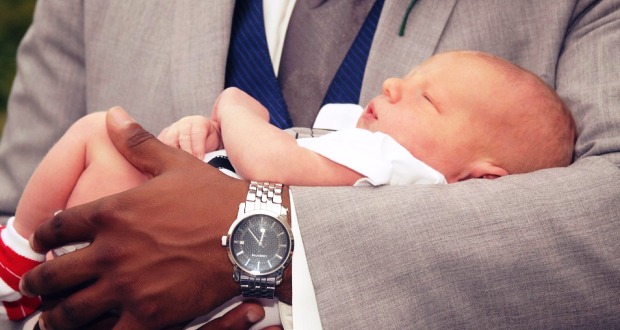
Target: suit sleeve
48, 95
539, 250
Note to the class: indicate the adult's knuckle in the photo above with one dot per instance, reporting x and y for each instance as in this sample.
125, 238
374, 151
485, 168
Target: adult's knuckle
108, 255
109, 211
103, 210
149, 312
57, 224
70, 312
138, 138
47, 273
127, 286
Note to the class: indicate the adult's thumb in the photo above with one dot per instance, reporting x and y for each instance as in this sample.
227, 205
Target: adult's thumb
138, 146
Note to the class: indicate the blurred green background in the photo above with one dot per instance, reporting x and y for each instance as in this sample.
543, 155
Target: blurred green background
15, 17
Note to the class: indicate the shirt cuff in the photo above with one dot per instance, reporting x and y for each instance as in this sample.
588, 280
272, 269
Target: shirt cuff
305, 308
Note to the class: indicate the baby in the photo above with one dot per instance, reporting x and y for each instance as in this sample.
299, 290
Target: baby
457, 116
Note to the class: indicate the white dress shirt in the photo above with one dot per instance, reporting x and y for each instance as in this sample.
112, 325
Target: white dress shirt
305, 310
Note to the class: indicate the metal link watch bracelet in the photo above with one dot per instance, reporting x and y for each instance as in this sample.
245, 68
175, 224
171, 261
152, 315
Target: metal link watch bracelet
264, 196
260, 242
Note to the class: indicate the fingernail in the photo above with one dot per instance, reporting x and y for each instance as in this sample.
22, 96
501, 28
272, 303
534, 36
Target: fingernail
23, 291
42, 325
252, 316
31, 241
120, 116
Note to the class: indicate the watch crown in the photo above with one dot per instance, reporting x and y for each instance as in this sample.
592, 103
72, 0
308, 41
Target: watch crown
224, 241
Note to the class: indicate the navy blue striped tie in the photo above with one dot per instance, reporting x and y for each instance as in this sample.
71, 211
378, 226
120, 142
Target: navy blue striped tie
249, 65
347, 83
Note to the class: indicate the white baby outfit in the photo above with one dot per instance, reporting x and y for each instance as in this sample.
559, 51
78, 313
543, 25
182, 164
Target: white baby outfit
377, 156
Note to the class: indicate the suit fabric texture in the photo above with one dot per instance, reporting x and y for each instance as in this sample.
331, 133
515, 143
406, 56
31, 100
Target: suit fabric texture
538, 250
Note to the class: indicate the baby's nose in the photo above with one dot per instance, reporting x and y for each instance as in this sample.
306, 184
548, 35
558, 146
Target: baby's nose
391, 88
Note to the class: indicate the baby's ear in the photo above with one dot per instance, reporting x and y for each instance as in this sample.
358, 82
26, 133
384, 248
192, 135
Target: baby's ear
486, 170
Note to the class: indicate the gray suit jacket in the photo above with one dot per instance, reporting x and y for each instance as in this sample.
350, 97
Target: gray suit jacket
540, 250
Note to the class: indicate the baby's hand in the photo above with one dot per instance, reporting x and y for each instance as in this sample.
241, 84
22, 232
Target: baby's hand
194, 134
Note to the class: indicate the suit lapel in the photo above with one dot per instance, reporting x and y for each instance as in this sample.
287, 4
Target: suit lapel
394, 56
201, 34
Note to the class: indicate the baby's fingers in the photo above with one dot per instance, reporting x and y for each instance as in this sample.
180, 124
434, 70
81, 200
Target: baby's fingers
163, 133
185, 136
170, 136
199, 140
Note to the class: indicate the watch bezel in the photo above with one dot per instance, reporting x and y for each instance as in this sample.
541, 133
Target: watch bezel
277, 217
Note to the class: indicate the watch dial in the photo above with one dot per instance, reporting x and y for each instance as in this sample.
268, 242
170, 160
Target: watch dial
260, 243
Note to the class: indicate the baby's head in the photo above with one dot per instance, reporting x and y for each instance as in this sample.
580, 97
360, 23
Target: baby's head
473, 115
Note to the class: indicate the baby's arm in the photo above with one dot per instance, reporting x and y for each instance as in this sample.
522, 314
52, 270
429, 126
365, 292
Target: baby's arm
261, 151
194, 134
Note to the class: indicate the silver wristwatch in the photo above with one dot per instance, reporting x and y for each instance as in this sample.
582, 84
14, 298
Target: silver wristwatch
260, 242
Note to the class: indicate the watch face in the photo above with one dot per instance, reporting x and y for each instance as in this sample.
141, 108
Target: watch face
260, 244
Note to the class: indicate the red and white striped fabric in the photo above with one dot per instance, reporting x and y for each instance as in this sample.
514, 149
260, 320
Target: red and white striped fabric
16, 258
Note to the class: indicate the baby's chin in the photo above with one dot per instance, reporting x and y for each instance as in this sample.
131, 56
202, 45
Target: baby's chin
359, 124
365, 123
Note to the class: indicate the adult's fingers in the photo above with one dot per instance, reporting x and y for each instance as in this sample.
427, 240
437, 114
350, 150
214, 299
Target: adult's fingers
138, 146
241, 317
102, 322
58, 275
79, 309
70, 226
105, 322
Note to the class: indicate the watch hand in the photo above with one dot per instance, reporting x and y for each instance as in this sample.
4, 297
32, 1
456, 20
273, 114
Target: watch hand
262, 234
256, 238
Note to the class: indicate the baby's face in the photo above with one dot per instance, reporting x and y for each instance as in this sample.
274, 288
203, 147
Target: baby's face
434, 109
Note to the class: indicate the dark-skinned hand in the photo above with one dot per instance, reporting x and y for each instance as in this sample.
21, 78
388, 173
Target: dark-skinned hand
241, 317
155, 257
